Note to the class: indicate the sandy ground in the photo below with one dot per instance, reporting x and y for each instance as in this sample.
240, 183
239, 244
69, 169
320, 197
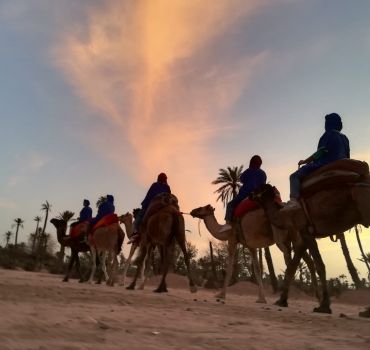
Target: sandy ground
38, 311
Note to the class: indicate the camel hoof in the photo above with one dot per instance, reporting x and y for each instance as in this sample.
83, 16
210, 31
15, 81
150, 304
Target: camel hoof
322, 309
160, 290
261, 301
220, 296
282, 303
81, 280
193, 289
65, 280
130, 287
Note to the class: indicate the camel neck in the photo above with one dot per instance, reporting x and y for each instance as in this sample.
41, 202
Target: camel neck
214, 227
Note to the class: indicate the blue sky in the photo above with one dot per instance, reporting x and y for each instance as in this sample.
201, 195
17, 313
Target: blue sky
99, 97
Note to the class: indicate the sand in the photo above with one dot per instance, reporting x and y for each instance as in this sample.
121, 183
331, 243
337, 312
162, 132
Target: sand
39, 312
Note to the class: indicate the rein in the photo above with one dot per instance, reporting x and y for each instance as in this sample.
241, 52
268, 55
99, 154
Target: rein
183, 213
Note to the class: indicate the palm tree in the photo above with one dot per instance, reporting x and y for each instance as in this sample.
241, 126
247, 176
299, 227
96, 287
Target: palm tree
47, 208
229, 179
351, 267
7, 235
18, 222
101, 200
364, 258
34, 236
65, 216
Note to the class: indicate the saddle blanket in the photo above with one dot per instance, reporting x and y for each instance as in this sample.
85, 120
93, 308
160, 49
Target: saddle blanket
244, 207
106, 221
76, 230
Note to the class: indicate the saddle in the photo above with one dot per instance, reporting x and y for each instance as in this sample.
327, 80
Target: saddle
159, 202
337, 173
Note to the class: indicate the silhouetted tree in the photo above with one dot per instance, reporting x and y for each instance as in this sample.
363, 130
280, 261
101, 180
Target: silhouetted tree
101, 200
229, 179
7, 235
34, 236
351, 267
46, 207
364, 257
18, 222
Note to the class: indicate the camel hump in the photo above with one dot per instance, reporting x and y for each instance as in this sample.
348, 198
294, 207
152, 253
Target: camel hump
336, 173
160, 201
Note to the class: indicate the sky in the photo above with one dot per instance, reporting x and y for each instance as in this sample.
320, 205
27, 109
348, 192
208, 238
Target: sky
100, 96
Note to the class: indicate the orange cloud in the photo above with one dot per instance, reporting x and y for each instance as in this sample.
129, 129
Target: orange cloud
147, 68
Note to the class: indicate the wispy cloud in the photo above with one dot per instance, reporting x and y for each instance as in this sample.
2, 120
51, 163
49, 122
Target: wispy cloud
7, 204
27, 165
155, 72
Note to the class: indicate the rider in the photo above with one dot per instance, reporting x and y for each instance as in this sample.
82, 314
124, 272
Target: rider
85, 216
252, 178
105, 208
160, 186
333, 145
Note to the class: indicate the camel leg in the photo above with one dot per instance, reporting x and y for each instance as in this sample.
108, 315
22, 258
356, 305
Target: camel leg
182, 243
320, 267
128, 263
257, 272
144, 267
231, 248
93, 264
167, 254
311, 267
78, 268
104, 265
70, 265
143, 252
113, 270
289, 275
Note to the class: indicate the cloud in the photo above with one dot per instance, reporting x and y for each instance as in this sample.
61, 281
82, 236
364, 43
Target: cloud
27, 165
7, 204
158, 76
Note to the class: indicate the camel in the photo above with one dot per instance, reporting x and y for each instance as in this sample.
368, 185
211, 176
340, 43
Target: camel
162, 228
255, 232
324, 213
134, 246
74, 243
106, 242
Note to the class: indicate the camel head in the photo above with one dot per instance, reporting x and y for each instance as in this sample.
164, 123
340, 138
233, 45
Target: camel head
266, 194
202, 212
125, 218
61, 227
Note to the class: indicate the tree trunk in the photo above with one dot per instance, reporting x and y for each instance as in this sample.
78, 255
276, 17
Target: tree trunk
364, 257
35, 237
271, 269
16, 235
213, 266
351, 267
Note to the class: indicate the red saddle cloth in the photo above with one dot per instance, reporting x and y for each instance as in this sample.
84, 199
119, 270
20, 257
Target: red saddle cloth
76, 230
244, 207
106, 221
